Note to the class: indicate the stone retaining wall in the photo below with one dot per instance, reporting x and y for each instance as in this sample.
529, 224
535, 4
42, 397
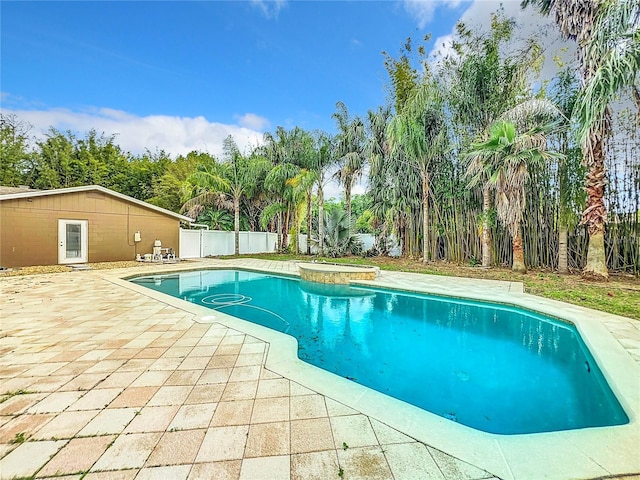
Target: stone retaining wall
335, 274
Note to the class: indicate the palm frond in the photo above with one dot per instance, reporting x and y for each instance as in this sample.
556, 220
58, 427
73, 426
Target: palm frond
203, 199
612, 60
531, 112
270, 211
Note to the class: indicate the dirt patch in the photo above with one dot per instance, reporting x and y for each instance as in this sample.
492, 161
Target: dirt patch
42, 269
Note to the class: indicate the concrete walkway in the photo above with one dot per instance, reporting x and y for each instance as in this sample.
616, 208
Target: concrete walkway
103, 383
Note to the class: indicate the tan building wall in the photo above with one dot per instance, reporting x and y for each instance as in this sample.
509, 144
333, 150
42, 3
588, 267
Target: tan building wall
29, 228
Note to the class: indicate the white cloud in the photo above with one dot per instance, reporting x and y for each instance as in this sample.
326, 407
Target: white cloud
269, 8
422, 10
332, 189
443, 47
529, 24
252, 121
174, 135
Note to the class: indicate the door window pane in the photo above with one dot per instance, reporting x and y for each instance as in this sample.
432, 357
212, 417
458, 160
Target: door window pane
73, 240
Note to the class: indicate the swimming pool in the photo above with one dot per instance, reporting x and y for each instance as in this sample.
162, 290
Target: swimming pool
494, 368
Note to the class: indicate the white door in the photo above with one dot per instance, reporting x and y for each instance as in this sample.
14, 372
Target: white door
73, 241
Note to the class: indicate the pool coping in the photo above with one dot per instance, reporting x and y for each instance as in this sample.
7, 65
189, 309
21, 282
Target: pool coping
583, 453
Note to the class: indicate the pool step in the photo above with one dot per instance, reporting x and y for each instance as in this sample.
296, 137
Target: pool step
80, 267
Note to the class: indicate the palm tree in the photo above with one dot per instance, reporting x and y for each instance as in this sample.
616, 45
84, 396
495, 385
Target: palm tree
280, 150
278, 183
571, 195
419, 131
615, 50
323, 160
216, 219
339, 238
206, 186
528, 115
226, 184
483, 84
376, 146
242, 175
349, 151
608, 41
502, 163
376, 151
304, 156
301, 191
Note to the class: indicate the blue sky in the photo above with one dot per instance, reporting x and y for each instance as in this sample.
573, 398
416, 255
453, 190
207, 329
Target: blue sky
181, 76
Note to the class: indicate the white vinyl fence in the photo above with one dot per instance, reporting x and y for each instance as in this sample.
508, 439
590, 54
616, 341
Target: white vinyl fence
203, 243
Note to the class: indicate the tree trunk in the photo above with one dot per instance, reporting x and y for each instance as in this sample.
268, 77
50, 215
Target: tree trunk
595, 213
309, 223
320, 221
563, 210
425, 216
285, 231
486, 227
296, 239
596, 267
279, 241
518, 252
563, 258
236, 224
403, 237
347, 201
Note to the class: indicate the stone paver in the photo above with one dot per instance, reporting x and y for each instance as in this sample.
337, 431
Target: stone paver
56, 402
109, 421
266, 468
311, 435
178, 472
268, 439
307, 406
233, 413
270, 410
27, 459
229, 470
134, 397
66, 424
152, 419
354, 430
411, 460
95, 399
123, 386
77, 456
19, 403
22, 425
176, 448
115, 475
365, 463
128, 451
223, 443
314, 465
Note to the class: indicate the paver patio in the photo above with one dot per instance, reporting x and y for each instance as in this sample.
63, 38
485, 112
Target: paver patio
103, 381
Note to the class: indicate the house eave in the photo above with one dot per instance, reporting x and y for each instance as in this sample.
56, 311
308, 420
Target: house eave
97, 188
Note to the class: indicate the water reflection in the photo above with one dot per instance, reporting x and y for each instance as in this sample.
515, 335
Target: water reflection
491, 367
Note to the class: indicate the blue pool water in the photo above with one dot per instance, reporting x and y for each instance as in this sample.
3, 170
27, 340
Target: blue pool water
491, 367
